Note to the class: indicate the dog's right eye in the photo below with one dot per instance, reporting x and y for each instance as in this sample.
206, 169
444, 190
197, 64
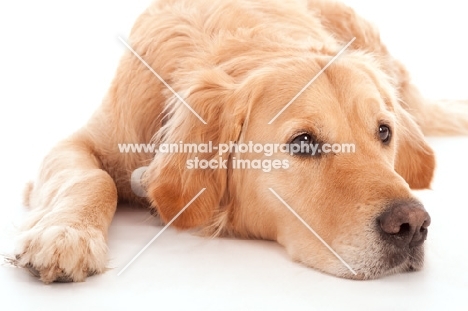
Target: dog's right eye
303, 145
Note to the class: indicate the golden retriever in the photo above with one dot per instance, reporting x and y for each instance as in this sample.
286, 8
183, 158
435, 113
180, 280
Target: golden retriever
238, 65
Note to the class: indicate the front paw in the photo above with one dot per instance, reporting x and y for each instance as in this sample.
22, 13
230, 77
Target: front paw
61, 253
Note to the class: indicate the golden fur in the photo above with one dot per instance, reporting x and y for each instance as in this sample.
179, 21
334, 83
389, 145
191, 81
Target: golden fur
237, 63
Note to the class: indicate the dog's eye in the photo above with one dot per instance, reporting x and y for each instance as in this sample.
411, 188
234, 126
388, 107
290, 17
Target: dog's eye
385, 134
303, 145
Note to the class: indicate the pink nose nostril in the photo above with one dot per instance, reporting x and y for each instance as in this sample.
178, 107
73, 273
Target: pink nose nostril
405, 223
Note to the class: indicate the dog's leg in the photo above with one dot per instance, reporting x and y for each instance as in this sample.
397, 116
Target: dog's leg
434, 117
73, 202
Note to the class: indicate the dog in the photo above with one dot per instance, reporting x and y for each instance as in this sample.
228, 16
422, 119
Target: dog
249, 71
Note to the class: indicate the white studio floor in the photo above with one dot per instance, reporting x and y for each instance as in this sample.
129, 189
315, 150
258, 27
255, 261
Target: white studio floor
56, 62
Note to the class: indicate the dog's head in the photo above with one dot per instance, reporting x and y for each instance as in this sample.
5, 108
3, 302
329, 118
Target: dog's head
357, 199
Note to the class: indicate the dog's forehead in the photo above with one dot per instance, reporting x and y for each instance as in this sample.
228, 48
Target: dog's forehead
336, 93
306, 97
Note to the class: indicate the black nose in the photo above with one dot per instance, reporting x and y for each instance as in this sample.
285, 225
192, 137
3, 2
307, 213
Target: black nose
404, 224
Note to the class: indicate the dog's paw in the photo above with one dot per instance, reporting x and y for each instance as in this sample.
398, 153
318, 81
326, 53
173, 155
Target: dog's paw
61, 253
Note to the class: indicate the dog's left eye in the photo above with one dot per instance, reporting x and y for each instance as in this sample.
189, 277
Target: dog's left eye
385, 134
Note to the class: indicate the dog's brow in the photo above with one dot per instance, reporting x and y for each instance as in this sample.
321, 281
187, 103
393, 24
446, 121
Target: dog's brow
312, 81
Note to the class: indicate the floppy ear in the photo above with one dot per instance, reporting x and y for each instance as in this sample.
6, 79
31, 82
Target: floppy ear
415, 160
170, 184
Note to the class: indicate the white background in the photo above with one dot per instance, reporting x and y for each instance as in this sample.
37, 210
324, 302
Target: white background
57, 59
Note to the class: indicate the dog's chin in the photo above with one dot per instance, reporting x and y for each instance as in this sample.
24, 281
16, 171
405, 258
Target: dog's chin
390, 262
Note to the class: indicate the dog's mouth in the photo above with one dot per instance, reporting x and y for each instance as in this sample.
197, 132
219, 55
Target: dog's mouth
401, 232
392, 261
411, 259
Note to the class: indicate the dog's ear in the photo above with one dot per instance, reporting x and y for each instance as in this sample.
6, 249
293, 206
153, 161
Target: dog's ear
415, 160
172, 179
